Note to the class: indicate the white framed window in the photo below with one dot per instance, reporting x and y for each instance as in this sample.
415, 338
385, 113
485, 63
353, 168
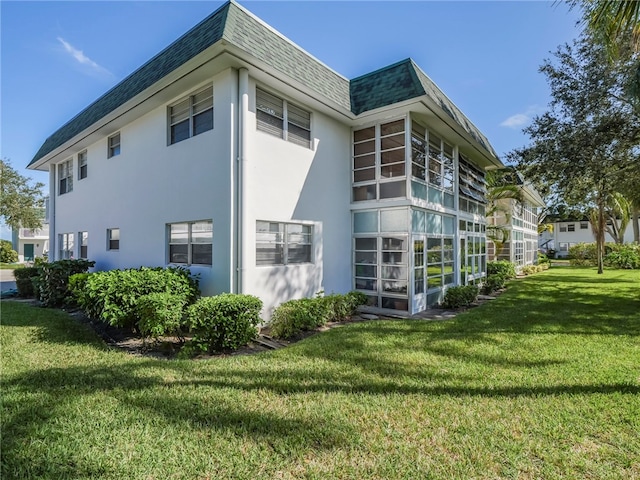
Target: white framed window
584, 225
191, 116
83, 244
571, 227
191, 243
65, 246
282, 118
82, 165
113, 239
283, 243
563, 228
114, 145
65, 177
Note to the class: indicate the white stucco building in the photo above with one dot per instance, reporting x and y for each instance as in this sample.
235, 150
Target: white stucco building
567, 233
237, 154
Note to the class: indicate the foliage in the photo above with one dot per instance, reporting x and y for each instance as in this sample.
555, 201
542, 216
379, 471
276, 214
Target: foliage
224, 322
52, 283
20, 202
7, 253
294, 316
502, 192
24, 280
112, 296
542, 258
583, 146
160, 314
625, 256
502, 267
494, 282
460, 296
583, 254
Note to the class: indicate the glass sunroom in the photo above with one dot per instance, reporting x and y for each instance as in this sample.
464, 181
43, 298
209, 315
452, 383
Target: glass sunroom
417, 214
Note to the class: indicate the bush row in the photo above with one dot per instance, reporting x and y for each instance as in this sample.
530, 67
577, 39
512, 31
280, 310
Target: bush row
530, 269
295, 316
625, 256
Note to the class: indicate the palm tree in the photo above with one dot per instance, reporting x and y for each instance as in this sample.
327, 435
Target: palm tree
502, 190
618, 212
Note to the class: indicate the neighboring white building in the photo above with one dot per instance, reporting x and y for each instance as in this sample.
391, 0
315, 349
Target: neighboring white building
521, 247
571, 232
31, 243
237, 154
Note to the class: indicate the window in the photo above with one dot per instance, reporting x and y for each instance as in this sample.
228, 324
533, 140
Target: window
65, 246
283, 119
283, 243
83, 238
82, 165
191, 116
191, 243
114, 145
571, 227
113, 239
563, 228
584, 225
65, 177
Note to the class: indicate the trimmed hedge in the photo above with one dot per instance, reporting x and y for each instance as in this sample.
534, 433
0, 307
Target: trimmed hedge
112, 296
224, 322
24, 280
51, 286
295, 316
460, 296
625, 256
160, 314
502, 267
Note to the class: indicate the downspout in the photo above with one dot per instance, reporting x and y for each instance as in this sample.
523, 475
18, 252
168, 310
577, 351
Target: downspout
242, 190
52, 213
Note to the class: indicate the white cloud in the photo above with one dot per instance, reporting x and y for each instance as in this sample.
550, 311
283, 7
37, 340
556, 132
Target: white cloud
521, 119
81, 58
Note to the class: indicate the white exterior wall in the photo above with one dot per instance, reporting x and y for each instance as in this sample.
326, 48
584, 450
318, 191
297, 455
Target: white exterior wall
151, 184
580, 235
39, 238
290, 183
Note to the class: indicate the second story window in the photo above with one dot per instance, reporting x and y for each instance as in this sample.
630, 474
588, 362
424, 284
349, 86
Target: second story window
191, 116
65, 177
283, 119
114, 145
82, 165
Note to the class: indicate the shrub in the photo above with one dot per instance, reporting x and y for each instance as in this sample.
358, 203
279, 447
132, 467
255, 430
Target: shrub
295, 316
340, 307
583, 254
494, 282
112, 296
460, 296
224, 322
160, 314
529, 269
24, 280
7, 253
501, 267
543, 259
625, 256
51, 284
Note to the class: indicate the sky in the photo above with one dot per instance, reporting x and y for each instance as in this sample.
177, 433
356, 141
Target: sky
57, 57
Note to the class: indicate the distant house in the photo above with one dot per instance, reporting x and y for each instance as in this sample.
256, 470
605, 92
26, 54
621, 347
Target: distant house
520, 223
235, 153
31, 243
567, 233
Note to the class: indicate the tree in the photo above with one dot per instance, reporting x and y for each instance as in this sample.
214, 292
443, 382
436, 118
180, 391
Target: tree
7, 253
502, 190
586, 143
20, 201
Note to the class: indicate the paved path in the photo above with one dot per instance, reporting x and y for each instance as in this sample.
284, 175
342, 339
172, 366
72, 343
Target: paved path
7, 280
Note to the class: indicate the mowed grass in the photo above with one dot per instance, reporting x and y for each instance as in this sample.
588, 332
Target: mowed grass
543, 382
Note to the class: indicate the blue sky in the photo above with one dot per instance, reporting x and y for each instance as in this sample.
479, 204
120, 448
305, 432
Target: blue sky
57, 57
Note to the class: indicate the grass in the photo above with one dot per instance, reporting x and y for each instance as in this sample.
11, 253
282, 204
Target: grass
541, 383
11, 266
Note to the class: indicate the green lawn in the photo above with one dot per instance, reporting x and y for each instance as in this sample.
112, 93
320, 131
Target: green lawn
543, 382
11, 266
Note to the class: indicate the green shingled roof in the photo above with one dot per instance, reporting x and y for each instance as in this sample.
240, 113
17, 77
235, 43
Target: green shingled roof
392, 84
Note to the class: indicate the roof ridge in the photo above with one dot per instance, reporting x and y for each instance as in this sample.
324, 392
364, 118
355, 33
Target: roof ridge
379, 70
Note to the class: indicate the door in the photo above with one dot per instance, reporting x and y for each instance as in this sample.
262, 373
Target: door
419, 298
28, 252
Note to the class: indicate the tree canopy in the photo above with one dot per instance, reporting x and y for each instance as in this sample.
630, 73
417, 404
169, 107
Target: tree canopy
21, 201
584, 148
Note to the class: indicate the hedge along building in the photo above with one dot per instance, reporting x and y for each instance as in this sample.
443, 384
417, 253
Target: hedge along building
235, 153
